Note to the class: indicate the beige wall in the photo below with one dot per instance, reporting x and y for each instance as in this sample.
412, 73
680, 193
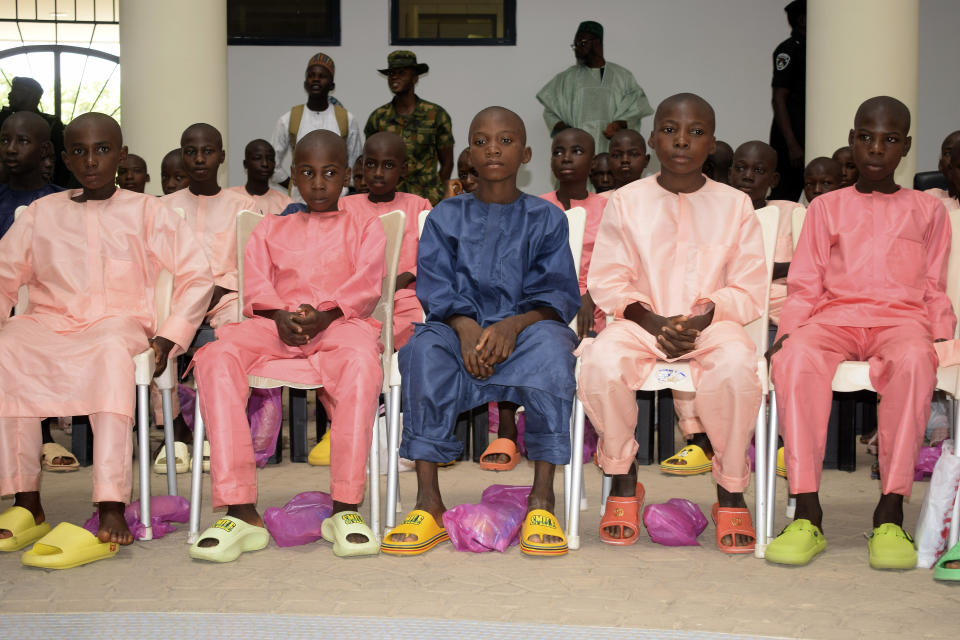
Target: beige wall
174, 74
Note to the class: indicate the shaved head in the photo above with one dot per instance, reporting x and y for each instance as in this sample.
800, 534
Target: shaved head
825, 165
133, 158
701, 106
323, 141
887, 106
29, 122
100, 121
203, 129
757, 148
504, 114
578, 136
258, 142
948, 142
174, 156
388, 143
628, 136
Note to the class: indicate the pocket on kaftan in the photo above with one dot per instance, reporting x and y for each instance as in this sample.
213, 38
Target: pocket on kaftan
906, 261
123, 282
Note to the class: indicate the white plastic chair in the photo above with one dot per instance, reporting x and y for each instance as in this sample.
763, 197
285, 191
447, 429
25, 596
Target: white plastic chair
677, 375
144, 368
393, 229
852, 375
576, 222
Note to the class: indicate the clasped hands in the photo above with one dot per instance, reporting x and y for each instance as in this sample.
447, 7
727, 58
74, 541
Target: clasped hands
297, 328
676, 335
483, 348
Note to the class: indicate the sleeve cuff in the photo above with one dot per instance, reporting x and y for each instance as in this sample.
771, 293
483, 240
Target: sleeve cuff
178, 330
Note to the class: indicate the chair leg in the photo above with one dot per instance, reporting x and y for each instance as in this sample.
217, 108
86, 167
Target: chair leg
196, 475
143, 432
480, 423
576, 475
373, 483
954, 534
166, 398
771, 483
393, 458
761, 433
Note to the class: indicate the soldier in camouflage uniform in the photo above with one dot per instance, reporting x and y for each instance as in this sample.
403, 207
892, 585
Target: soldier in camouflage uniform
424, 126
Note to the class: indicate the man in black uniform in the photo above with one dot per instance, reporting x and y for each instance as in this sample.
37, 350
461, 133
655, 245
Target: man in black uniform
789, 95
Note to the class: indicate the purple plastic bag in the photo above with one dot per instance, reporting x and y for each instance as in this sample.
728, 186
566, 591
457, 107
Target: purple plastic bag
163, 511
298, 522
265, 412
187, 397
492, 525
926, 461
675, 523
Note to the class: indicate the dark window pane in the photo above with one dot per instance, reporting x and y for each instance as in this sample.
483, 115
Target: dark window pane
280, 22
446, 22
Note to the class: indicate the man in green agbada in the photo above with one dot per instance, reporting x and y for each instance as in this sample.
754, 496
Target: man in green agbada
425, 127
595, 95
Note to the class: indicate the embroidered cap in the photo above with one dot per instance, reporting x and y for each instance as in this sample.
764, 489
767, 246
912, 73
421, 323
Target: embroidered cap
324, 61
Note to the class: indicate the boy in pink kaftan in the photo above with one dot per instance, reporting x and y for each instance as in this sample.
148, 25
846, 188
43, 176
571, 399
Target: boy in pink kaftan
89, 259
212, 214
384, 164
312, 278
679, 261
867, 283
753, 171
260, 161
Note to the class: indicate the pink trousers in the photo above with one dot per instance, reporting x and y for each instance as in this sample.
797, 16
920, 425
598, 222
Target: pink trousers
903, 370
21, 441
406, 311
345, 359
724, 365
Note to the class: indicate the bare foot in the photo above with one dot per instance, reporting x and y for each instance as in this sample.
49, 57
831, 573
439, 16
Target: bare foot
623, 485
541, 497
339, 507
507, 429
29, 500
736, 501
113, 526
428, 497
246, 512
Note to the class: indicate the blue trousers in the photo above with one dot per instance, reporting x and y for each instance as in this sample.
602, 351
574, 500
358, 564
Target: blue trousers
539, 375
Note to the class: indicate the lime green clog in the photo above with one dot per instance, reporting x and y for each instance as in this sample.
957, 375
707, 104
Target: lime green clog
891, 548
798, 544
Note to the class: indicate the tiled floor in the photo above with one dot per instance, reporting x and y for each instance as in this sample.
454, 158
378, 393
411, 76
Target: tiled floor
643, 587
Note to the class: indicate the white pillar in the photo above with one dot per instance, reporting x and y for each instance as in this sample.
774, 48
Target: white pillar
173, 58
857, 49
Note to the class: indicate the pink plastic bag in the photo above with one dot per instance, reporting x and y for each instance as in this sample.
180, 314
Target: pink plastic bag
675, 523
163, 511
298, 522
926, 461
264, 411
492, 525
